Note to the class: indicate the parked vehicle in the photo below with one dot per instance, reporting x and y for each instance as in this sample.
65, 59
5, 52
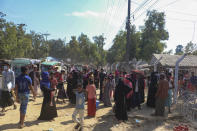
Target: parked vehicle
48, 64
17, 63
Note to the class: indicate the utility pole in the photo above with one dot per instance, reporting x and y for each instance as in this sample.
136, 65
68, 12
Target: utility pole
127, 56
46, 35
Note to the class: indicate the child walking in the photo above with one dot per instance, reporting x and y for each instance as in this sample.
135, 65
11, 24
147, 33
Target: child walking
79, 108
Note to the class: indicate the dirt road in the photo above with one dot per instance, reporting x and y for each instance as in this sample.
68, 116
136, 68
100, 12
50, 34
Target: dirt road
139, 120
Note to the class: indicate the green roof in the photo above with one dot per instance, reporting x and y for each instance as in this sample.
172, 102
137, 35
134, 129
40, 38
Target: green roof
50, 63
21, 62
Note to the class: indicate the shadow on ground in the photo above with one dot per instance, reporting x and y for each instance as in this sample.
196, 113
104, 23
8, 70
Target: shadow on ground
136, 121
105, 122
15, 125
67, 122
66, 106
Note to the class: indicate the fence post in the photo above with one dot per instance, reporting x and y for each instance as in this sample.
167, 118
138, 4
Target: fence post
176, 76
155, 64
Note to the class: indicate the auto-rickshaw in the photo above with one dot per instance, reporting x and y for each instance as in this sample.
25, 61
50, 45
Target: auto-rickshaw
48, 64
17, 63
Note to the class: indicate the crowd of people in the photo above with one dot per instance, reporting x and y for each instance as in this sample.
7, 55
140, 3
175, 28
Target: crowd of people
127, 89
161, 89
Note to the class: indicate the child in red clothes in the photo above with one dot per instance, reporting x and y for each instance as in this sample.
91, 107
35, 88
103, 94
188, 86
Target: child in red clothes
91, 90
54, 83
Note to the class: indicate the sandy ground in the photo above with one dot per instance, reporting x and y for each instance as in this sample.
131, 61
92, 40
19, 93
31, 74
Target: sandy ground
104, 120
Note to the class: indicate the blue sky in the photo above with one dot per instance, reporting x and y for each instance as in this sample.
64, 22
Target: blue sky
49, 16
64, 18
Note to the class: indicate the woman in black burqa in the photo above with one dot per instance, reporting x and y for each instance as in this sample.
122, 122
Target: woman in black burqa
121, 94
74, 82
69, 86
48, 112
138, 87
152, 89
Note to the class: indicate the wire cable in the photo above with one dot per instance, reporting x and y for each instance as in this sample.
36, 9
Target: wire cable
104, 19
156, 2
110, 14
182, 13
194, 31
181, 20
171, 3
141, 6
113, 16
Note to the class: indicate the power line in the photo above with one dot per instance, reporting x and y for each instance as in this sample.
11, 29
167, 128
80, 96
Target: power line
109, 32
136, 10
194, 31
104, 19
181, 20
134, 2
184, 20
178, 12
167, 5
113, 15
182, 13
171, 3
142, 5
156, 2
110, 14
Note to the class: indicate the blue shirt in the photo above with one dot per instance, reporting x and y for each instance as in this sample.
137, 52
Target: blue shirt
80, 100
23, 82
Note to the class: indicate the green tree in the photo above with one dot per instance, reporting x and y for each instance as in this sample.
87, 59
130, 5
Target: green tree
154, 35
195, 52
117, 52
24, 43
73, 51
99, 41
84, 44
2, 39
190, 47
135, 41
13, 40
40, 46
179, 50
57, 48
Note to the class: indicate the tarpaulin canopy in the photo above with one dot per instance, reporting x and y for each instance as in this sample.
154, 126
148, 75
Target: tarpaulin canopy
21, 61
50, 63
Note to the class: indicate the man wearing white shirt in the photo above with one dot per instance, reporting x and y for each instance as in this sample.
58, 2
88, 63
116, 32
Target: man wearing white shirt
8, 81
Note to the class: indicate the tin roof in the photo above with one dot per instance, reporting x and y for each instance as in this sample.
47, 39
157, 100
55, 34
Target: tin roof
170, 60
